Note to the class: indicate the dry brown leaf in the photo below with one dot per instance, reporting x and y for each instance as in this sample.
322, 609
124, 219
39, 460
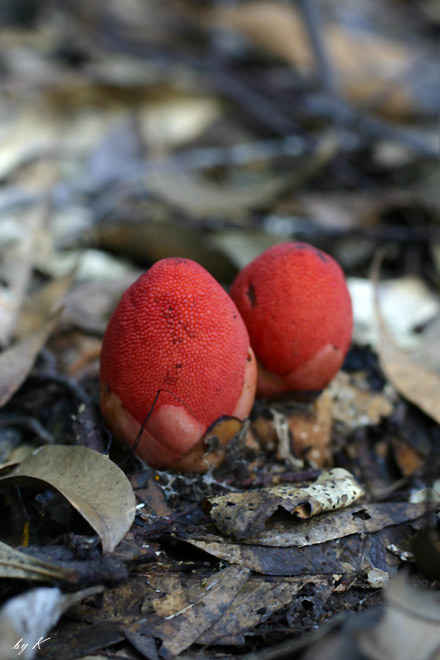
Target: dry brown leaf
90, 481
17, 361
245, 514
413, 381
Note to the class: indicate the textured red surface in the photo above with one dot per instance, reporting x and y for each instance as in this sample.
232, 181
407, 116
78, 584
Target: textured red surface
176, 329
294, 301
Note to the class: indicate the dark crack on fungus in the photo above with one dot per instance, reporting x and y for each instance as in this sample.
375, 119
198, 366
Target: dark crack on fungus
251, 294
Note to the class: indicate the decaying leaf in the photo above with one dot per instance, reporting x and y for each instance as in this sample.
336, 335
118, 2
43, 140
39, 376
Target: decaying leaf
413, 381
341, 541
245, 514
245, 609
90, 481
360, 519
194, 619
17, 361
409, 628
25, 621
16, 564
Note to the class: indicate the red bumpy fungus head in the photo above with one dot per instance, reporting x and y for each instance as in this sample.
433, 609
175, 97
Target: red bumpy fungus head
296, 306
177, 332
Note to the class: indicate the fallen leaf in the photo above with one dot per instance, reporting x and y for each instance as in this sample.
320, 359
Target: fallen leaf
244, 612
413, 381
174, 118
42, 304
16, 269
254, 603
17, 361
245, 514
199, 197
349, 541
90, 481
428, 351
407, 303
360, 519
182, 628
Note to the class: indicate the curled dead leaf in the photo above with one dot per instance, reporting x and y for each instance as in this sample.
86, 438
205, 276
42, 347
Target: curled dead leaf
90, 481
245, 514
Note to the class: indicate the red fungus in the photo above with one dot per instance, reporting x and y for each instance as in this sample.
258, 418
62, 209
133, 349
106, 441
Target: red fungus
175, 347
296, 306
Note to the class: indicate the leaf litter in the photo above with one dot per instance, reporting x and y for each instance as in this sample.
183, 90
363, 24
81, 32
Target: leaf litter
166, 142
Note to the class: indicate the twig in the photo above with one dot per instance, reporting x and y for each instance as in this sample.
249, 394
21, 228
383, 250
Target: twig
312, 22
